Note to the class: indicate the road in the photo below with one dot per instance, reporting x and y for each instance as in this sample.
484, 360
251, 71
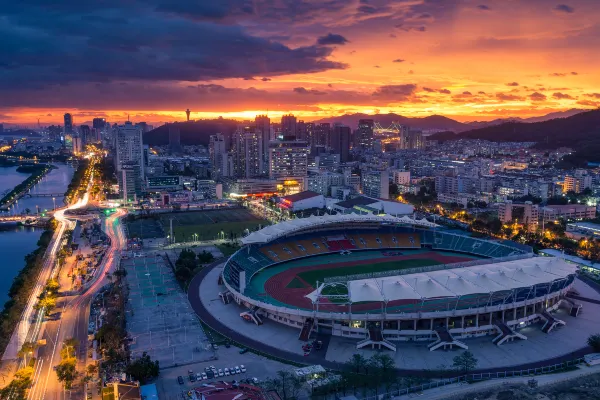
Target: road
74, 322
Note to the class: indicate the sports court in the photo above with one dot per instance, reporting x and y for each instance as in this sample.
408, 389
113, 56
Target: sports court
288, 283
144, 228
160, 320
210, 224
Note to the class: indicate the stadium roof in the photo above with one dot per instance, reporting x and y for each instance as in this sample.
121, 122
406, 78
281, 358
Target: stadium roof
458, 281
272, 232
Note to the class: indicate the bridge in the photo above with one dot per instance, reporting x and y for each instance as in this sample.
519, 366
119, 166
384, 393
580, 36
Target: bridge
394, 128
60, 195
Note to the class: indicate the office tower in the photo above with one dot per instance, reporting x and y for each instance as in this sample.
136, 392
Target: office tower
263, 126
187, 114
1, 128
322, 133
85, 133
174, 138
144, 126
340, 142
288, 159
376, 184
77, 143
99, 123
68, 123
301, 131
577, 184
289, 127
365, 133
415, 140
247, 152
129, 146
310, 134
403, 135
217, 150
130, 184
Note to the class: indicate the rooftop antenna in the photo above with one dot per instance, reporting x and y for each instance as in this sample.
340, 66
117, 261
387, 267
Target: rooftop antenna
187, 113
127, 117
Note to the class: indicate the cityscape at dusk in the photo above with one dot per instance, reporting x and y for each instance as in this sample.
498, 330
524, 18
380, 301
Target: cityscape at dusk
151, 59
300, 200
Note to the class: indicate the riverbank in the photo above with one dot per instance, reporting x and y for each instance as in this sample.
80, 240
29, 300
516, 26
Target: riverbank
22, 287
37, 173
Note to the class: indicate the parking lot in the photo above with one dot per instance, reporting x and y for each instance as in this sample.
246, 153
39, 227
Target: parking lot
256, 366
160, 320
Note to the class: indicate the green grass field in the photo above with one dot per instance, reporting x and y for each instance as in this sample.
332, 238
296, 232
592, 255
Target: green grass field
320, 274
208, 225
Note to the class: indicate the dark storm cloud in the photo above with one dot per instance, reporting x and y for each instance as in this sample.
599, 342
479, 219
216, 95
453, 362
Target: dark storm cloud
46, 43
331, 39
483, 7
563, 8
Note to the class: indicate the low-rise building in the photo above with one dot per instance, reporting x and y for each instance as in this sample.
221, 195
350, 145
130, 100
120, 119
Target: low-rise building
568, 211
577, 230
302, 201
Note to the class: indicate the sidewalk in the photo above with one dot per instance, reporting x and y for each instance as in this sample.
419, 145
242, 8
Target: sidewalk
455, 390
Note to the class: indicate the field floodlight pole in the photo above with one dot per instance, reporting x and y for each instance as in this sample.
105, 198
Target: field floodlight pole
171, 230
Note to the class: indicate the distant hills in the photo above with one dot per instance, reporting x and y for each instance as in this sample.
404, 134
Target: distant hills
192, 132
542, 118
580, 132
430, 123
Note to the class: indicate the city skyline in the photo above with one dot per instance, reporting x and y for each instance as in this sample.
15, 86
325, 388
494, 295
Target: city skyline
468, 60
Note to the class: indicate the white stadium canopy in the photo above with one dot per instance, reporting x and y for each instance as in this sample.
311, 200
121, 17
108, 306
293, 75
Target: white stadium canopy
458, 281
273, 232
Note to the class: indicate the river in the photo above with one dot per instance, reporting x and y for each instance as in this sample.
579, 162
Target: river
18, 241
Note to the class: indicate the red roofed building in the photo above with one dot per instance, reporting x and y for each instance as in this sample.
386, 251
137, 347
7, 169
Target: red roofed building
226, 391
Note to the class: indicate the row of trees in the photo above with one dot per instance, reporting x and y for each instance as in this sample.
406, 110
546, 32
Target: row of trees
36, 175
188, 262
66, 370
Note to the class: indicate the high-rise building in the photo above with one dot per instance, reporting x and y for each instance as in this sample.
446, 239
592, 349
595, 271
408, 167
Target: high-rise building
526, 213
85, 133
577, 184
247, 152
174, 138
130, 148
364, 138
415, 140
376, 184
289, 126
310, 133
99, 123
187, 114
77, 142
301, 131
340, 142
130, 184
288, 159
322, 133
217, 151
263, 126
68, 123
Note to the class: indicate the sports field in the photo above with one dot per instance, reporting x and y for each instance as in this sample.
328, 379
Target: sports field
210, 224
288, 283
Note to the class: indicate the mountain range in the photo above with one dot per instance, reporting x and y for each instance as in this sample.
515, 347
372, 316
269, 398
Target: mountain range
439, 123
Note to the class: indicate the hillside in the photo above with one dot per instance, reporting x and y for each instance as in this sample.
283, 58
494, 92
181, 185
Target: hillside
541, 118
432, 122
192, 132
580, 131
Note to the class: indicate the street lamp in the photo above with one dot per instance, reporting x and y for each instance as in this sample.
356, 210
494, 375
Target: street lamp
54, 201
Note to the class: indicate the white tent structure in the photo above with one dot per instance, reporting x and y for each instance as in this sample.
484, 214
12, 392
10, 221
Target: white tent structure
458, 282
281, 229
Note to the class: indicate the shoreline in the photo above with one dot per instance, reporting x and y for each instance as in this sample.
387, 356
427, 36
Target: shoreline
21, 189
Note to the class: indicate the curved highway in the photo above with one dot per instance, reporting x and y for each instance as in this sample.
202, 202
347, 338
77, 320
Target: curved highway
315, 358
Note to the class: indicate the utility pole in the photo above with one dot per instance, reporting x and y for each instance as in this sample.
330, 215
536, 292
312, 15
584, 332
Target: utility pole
171, 230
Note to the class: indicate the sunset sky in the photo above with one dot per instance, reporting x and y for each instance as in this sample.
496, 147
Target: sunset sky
152, 59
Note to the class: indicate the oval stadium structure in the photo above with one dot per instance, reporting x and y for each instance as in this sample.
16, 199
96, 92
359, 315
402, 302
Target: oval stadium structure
381, 279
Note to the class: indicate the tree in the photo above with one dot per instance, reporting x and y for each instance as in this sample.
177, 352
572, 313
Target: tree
357, 363
594, 342
465, 362
47, 303
143, 369
92, 369
27, 348
66, 372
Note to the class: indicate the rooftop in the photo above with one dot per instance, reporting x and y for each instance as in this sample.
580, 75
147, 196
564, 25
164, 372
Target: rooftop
301, 196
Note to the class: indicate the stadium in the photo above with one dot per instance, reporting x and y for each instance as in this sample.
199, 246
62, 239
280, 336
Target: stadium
384, 279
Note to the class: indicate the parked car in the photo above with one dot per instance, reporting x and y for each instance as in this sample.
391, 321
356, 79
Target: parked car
180, 379
210, 374
215, 346
192, 378
204, 377
221, 372
243, 350
232, 371
226, 371
242, 368
237, 370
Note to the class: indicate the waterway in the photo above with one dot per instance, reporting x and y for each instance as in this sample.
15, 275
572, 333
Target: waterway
17, 241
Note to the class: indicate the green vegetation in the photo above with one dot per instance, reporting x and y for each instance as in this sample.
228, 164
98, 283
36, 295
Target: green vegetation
78, 185
17, 388
594, 342
228, 248
37, 173
143, 369
313, 276
21, 288
66, 370
209, 225
465, 362
189, 263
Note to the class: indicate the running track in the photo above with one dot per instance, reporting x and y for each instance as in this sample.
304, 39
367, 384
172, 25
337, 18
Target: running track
318, 357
